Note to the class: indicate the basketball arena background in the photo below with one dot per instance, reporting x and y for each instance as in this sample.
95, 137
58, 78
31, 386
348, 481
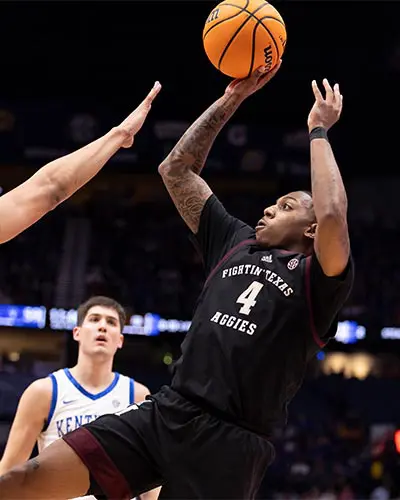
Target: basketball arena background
69, 72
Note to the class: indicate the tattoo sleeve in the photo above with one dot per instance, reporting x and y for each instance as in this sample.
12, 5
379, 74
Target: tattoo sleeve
180, 170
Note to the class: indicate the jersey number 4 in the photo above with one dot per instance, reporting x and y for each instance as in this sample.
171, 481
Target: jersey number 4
248, 297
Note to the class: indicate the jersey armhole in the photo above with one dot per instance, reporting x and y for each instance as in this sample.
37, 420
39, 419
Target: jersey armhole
54, 395
131, 391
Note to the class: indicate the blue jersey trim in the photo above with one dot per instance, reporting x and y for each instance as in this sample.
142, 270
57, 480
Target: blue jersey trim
88, 394
131, 391
54, 396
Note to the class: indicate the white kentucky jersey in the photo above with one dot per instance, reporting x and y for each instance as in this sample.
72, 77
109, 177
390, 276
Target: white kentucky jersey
72, 405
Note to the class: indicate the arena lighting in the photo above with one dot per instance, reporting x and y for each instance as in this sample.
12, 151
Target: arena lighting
349, 332
149, 324
22, 316
390, 333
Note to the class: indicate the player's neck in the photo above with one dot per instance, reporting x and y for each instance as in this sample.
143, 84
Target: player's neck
298, 248
93, 373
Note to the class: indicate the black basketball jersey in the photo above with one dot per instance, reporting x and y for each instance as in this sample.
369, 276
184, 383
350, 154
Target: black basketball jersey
262, 314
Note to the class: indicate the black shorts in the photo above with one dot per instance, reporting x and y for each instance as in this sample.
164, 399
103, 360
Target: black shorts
168, 441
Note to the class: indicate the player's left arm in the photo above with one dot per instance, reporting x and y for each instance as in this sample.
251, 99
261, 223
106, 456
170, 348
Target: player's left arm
332, 244
141, 391
30, 418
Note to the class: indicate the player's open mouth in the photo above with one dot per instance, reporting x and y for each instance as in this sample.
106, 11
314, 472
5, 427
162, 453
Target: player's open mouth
101, 339
260, 225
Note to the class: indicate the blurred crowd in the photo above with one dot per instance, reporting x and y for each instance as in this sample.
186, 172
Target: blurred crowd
140, 252
339, 443
333, 460
29, 264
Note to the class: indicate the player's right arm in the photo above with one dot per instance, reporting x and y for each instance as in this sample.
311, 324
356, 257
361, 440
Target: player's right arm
181, 169
61, 178
30, 418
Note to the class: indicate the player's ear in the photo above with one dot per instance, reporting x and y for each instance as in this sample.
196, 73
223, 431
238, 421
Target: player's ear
75, 333
311, 231
121, 341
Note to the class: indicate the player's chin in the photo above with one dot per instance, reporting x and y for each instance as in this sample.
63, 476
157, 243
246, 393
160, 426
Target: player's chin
101, 348
262, 237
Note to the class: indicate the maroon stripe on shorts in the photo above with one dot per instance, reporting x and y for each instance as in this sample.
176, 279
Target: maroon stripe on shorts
93, 455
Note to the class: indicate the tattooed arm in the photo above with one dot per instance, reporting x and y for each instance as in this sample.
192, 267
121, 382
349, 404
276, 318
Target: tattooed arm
332, 244
181, 169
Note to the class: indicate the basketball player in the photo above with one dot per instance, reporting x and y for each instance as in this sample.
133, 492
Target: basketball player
270, 302
52, 406
58, 180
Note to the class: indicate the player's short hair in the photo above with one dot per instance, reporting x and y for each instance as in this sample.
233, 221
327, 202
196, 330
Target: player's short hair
307, 192
100, 300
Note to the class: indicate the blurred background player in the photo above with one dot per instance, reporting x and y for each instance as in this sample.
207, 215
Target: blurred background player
52, 406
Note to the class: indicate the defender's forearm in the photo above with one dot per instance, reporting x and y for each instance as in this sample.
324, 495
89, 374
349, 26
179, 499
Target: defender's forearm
193, 148
69, 173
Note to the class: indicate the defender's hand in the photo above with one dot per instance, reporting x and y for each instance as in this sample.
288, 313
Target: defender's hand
133, 123
247, 86
325, 112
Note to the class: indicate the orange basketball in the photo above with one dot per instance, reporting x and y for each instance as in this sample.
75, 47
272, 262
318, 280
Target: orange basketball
241, 35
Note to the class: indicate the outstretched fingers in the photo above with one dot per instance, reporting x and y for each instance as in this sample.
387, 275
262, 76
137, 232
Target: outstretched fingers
152, 94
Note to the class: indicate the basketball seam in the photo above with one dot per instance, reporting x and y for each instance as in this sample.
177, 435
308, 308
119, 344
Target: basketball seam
275, 19
254, 44
253, 49
237, 32
244, 9
241, 9
270, 34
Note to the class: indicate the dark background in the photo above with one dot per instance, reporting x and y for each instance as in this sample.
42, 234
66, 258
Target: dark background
69, 71
103, 57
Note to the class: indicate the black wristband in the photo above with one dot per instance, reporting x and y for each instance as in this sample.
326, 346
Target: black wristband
318, 133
